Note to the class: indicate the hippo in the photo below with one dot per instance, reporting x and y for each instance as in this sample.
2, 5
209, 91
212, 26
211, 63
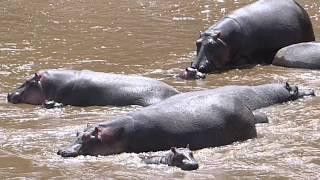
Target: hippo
88, 88
250, 35
207, 118
256, 97
302, 55
195, 119
178, 157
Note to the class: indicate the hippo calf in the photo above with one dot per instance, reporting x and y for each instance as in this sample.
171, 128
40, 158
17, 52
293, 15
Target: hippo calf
178, 157
88, 88
250, 35
301, 55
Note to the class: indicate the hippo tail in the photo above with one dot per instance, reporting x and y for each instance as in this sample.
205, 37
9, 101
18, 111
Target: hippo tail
260, 117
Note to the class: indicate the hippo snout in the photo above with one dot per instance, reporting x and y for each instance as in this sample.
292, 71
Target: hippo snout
309, 92
14, 98
188, 165
203, 69
70, 152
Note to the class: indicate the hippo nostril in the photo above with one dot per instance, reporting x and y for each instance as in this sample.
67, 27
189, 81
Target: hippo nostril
203, 69
13, 98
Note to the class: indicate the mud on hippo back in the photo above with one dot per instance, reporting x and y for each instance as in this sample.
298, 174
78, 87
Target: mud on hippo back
250, 35
88, 88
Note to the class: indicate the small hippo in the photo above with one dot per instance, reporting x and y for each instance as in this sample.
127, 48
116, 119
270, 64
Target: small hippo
88, 88
301, 55
250, 35
179, 157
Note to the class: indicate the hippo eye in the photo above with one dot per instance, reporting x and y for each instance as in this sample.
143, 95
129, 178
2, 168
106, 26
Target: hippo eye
32, 83
179, 158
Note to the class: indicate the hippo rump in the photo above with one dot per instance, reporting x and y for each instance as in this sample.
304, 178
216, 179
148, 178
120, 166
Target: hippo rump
301, 55
250, 35
201, 119
87, 88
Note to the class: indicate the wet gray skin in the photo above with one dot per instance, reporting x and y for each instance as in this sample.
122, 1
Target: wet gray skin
178, 157
176, 121
251, 35
55, 88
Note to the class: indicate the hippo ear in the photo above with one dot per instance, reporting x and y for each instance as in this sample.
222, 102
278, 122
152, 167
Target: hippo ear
187, 146
173, 149
201, 34
217, 35
288, 86
37, 77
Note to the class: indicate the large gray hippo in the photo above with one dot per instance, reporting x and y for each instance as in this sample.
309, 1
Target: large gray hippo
301, 55
201, 119
87, 88
250, 35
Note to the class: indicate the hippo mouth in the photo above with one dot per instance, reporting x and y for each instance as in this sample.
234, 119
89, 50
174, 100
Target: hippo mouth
188, 165
14, 98
73, 151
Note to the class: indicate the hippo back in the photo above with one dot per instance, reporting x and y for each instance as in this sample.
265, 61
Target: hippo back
275, 23
85, 88
194, 119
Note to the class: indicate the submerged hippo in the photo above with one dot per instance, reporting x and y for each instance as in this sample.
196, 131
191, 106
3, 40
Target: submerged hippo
178, 157
256, 97
250, 35
87, 88
201, 119
301, 55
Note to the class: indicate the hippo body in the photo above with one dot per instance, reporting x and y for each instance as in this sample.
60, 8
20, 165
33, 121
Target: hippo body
256, 97
301, 55
195, 120
251, 35
201, 119
87, 88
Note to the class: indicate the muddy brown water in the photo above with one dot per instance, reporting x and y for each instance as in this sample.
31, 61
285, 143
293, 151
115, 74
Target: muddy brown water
149, 38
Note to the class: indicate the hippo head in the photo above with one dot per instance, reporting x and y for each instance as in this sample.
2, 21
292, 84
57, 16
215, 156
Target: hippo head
182, 158
212, 52
295, 93
96, 141
30, 92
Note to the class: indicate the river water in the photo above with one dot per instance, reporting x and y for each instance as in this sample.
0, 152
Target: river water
151, 38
